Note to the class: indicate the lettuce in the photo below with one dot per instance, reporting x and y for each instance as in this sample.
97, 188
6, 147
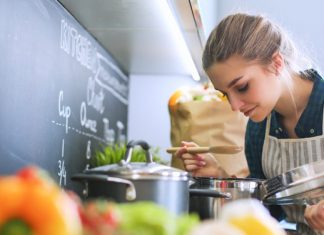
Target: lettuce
148, 218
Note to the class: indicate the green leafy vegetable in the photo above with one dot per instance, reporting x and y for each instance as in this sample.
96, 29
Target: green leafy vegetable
198, 97
186, 223
115, 153
148, 218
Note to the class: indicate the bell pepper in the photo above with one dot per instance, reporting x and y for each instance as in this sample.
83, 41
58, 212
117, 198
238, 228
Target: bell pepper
32, 203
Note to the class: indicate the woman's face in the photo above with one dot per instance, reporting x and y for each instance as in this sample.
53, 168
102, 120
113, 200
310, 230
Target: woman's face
250, 87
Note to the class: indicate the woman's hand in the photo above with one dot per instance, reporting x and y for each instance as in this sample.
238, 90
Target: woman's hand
314, 216
203, 165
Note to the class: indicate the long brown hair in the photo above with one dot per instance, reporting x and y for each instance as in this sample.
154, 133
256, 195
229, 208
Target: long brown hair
253, 37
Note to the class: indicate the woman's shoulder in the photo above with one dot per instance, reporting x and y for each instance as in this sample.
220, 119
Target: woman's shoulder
319, 79
317, 95
314, 75
316, 99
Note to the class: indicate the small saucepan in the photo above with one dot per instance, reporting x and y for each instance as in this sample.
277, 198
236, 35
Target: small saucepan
233, 188
142, 181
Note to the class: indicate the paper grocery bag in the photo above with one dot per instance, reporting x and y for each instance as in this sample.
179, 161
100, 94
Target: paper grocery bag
210, 123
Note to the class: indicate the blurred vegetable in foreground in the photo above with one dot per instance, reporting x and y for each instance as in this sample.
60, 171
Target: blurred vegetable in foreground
147, 218
241, 217
100, 217
32, 203
251, 217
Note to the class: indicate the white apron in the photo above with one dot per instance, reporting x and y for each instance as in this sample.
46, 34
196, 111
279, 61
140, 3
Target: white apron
281, 155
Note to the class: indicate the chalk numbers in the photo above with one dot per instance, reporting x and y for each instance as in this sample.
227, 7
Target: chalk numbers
62, 170
95, 101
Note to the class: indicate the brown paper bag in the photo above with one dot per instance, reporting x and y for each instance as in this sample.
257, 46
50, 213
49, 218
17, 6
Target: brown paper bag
210, 123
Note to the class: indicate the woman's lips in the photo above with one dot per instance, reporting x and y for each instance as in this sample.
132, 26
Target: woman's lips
249, 112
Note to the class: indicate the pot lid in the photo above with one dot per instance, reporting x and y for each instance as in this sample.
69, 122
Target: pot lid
140, 170
300, 185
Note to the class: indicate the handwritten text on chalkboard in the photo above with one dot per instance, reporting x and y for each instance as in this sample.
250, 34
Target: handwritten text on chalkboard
79, 47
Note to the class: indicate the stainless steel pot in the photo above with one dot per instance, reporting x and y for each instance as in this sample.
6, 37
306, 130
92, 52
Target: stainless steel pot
137, 181
301, 185
231, 189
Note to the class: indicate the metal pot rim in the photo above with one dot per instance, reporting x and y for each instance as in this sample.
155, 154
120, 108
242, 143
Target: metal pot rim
140, 171
228, 179
226, 183
143, 176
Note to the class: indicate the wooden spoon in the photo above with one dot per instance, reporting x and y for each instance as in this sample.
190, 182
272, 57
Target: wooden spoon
230, 149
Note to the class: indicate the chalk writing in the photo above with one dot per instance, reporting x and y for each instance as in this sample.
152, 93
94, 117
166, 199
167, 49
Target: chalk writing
121, 138
87, 123
88, 154
109, 134
81, 48
78, 46
64, 111
106, 79
95, 99
90, 135
62, 171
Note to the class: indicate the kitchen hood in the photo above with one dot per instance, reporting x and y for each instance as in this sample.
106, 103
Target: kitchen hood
137, 36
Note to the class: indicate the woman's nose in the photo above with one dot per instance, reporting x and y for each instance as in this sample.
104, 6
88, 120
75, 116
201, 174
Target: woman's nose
235, 103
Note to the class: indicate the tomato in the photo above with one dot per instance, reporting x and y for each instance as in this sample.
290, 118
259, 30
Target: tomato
100, 217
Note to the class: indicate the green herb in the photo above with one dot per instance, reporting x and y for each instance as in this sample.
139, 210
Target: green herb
115, 153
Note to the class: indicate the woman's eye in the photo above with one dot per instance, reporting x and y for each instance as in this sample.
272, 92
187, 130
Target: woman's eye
243, 88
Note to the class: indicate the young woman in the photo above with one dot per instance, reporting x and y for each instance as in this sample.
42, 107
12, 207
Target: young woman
254, 63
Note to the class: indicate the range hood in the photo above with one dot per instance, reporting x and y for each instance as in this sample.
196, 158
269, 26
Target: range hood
136, 34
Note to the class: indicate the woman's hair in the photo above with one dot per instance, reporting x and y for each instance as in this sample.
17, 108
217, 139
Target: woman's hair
254, 38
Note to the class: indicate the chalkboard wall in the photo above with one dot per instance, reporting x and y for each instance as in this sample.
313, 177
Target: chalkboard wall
61, 94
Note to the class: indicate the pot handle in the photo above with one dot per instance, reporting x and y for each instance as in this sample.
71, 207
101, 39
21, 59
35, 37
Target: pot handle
129, 149
130, 190
208, 193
